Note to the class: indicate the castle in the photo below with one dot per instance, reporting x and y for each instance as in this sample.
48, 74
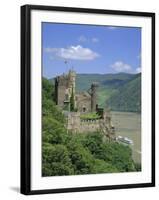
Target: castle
77, 106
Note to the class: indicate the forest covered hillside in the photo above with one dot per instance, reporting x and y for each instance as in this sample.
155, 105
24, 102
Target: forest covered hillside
127, 97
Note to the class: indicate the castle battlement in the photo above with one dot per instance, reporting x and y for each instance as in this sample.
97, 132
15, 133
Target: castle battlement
66, 78
77, 125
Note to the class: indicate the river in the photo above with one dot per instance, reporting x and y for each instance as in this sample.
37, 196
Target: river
128, 124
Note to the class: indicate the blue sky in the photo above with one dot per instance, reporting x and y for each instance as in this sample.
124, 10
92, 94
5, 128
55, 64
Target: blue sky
90, 49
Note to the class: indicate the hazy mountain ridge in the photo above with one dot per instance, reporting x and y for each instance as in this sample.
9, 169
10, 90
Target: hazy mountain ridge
83, 81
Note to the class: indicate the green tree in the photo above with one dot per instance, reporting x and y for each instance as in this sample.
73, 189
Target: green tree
53, 131
48, 89
93, 142
49, 109
56, 160
81, 158
120, 156
100, 166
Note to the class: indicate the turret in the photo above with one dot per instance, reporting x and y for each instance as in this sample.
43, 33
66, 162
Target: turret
72, 85
65, 89
93, 94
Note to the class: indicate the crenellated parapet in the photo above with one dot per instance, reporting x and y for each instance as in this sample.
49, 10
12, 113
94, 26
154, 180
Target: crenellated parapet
77, 125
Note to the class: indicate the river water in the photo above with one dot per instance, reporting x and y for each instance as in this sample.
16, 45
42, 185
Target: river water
128, 124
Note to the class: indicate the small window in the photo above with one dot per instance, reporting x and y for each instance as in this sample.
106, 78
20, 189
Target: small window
84, 109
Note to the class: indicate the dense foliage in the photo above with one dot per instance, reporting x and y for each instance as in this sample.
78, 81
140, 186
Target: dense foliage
65, 153
91, 115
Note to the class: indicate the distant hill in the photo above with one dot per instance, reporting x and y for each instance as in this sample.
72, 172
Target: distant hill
128, 97
120, 92
83, 81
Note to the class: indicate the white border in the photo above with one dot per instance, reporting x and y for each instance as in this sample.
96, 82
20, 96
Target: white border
41, 183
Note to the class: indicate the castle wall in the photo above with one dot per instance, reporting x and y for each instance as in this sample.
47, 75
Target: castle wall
83, 102
73, 121
61, 95
75, 124
89, 126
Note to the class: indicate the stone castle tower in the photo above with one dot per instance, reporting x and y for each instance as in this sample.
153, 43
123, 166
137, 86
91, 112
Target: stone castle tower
65, 88
93, 93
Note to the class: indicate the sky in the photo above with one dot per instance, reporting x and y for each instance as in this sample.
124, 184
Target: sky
90, 49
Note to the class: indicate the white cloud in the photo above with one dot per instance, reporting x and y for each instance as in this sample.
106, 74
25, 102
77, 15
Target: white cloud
138, 70
120, 66
82, 38
73, 52
95, 40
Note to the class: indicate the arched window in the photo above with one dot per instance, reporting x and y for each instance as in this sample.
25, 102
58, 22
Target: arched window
84, 109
